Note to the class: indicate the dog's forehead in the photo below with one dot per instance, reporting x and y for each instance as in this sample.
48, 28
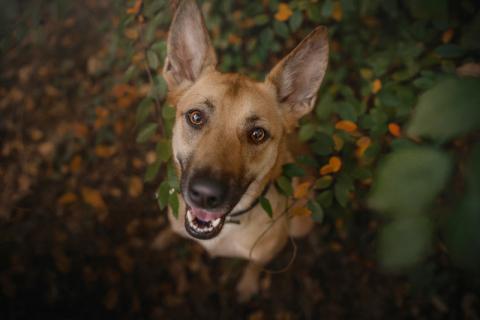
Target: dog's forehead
232, 94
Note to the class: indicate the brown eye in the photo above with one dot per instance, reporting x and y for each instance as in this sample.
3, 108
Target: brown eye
258, 135
195, 118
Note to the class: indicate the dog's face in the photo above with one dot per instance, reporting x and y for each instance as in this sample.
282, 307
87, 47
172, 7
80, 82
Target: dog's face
229, 134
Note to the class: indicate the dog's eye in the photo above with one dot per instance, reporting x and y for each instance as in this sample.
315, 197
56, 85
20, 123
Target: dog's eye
258, 135
195, 118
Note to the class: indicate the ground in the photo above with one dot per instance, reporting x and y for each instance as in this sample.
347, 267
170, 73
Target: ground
77, 223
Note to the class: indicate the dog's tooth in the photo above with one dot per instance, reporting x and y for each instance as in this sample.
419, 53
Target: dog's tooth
216, 222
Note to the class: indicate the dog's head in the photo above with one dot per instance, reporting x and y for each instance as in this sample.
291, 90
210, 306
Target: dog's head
229, 133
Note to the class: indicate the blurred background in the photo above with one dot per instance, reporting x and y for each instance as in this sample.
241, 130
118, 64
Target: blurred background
393, 176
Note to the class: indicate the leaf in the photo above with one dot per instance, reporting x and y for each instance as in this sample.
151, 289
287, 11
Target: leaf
173, 202
152, 171
267, 207
146, 132
93, 198
295, 20
376, 86
285, 185
306, 132
162, 194
448, 110
342, 189
281, 29
394, 129
346, 125
301, 212
334, 165
163, 150
143, 110
136, 7
324, 182
284, 12
404, 242
67, 198
301, 190
449, 51
292, 170
323, 144
135, 187
152, 59
317, 211
409, 179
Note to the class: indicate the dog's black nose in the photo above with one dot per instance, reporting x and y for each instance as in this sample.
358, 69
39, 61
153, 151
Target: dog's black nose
207, 193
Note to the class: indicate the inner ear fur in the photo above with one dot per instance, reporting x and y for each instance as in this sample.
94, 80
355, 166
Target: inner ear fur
298, 76
189, 49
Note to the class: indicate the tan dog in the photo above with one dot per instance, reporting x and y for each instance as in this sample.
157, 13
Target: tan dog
229, 142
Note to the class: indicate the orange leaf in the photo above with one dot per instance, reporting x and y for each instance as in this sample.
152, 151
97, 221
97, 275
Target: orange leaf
326, 169
362, 145
135, 187
394, 129
447, 36
284, 12
80, 130
376, 86
301, 190
234, 39
346, 125
103, 151
93, 198
67, 198
301, 211
337, 12
75, 164
336, 163
136, 7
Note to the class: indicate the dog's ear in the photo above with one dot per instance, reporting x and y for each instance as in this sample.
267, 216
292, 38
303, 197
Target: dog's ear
189, 50
298, 76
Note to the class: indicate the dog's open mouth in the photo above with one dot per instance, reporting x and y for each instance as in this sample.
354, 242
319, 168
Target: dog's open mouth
203, 224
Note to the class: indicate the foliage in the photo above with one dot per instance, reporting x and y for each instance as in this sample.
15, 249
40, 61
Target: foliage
395, 109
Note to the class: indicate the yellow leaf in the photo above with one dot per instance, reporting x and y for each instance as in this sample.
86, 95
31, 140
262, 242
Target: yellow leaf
284, 12
338, 142
301, 190
135, 187
366, 74
346, 125
93, 198
301, 211
337, 12
376, 86
67, 198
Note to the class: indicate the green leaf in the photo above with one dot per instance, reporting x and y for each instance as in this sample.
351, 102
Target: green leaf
306, 132
162, 194
324, 182
317, 211
152, 59
409, 179
163, 150
449, 51
267, 207
295, 20
285, 185
342, 188
292, 170
173, 202
144, 109
281, 29
404, 242
325, 198
448, 110
323, 144
159, 88
146, 132
152, 171
168, 112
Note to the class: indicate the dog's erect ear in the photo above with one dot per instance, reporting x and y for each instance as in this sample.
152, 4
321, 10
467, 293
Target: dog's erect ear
189, 50
298, 76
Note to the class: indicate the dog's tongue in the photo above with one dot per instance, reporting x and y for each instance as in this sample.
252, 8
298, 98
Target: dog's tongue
205, 215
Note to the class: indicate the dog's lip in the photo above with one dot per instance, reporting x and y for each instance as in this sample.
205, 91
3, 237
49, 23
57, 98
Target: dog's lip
202, 224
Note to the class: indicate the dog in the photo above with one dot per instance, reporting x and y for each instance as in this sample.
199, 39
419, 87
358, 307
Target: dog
230, 142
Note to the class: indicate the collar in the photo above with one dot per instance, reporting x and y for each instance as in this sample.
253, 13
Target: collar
253, 205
